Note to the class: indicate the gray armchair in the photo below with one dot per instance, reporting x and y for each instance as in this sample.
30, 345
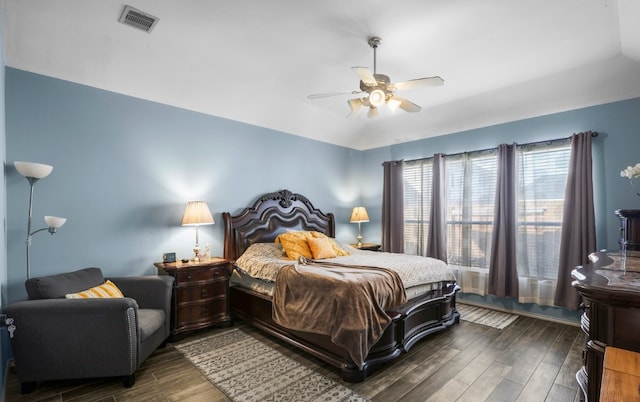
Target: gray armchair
57, 338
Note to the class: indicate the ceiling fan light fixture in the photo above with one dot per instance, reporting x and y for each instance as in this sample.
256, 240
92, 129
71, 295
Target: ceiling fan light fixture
393, 104
373, 112
376, 97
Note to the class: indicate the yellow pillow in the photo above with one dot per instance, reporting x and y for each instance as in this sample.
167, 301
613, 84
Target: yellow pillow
106, 290
339, 251
295, 244
321, 247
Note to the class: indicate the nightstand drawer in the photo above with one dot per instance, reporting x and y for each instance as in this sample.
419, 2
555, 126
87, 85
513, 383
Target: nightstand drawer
196, 275
210, 290
194, 314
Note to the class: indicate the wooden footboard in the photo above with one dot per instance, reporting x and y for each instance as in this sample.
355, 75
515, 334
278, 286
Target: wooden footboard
411, 322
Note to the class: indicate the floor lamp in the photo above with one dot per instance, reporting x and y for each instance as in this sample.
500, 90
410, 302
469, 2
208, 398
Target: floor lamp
34, 172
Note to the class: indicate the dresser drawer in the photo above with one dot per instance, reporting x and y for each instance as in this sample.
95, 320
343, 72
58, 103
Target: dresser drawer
196, 275
202, 292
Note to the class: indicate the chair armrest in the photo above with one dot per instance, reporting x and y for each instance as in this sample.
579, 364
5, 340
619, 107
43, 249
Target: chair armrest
74, 338
152, 292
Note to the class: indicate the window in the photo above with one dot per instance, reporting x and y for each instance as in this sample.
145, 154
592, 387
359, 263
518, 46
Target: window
471, 191
542, 177
417, 176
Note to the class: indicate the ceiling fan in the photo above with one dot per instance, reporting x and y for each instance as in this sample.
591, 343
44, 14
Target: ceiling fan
377, 89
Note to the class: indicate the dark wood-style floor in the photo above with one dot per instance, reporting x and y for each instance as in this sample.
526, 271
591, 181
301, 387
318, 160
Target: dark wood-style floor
531, 360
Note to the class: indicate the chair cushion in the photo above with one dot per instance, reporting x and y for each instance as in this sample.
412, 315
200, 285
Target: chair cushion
149, 320
57, 286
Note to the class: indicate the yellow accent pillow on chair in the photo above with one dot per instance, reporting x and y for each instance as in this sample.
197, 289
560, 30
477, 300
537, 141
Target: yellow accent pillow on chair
107, 290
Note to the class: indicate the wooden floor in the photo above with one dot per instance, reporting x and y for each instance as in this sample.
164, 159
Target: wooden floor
531, 360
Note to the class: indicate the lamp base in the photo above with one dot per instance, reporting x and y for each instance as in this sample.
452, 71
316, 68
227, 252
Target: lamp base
359, 238
196, 251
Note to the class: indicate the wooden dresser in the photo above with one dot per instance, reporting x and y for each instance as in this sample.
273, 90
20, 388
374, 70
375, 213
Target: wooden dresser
611, 303
621, 377
200, 296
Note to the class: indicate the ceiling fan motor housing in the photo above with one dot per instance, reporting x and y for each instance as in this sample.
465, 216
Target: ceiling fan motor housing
377, 94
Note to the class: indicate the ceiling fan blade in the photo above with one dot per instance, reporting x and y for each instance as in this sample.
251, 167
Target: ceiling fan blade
365, 75
419, 82
405, 105
356, 108
328, 94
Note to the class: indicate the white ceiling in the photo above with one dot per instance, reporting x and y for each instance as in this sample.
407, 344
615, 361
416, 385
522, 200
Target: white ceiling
255, 61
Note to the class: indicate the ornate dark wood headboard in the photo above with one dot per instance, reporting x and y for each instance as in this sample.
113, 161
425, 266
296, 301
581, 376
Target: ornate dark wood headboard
270, 215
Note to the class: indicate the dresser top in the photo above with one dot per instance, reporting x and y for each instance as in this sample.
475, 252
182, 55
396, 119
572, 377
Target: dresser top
609, 274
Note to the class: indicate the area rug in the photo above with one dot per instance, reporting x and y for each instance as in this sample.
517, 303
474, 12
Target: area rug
246, 369
483, 316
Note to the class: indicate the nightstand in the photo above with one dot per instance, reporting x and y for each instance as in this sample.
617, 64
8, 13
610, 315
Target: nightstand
367, 246
200, 297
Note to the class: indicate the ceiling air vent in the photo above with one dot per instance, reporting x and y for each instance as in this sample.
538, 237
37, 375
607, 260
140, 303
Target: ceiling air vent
138, 19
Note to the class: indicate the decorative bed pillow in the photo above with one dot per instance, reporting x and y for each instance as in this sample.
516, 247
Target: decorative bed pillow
340, 252
295, 244
321, 247
104, 291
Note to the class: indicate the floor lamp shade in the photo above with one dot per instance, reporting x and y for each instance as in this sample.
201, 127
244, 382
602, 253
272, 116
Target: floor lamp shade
34, 172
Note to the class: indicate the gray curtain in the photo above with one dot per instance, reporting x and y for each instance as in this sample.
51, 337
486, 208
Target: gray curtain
392, 208
578, 235
503, 269
437, 238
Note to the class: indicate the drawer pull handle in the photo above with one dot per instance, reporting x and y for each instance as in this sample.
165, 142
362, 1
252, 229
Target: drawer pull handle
216, 273
204, 293
188, 276
204, 312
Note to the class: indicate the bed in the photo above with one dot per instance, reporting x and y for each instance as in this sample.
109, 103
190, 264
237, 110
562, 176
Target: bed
274, 214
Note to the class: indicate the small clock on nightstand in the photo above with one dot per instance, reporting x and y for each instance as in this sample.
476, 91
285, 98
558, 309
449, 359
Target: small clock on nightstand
368, 246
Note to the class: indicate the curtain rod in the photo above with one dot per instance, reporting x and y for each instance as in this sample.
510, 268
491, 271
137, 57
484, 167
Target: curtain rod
548, 142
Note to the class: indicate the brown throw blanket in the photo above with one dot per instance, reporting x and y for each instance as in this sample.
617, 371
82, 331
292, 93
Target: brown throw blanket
346, 302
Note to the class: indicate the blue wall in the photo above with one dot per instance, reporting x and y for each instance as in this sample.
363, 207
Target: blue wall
4, 344
616, 147
124, 169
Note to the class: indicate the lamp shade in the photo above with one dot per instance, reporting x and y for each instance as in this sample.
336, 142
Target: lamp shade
197, 213
359, 214
54, 221
31, 169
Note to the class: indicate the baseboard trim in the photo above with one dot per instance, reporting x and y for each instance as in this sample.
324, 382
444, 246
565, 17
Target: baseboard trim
522, 313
